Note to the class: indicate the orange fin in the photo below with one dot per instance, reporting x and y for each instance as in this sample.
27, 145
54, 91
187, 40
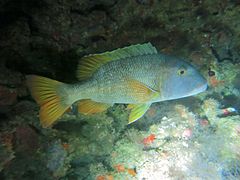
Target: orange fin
45, 92
141, 92
88, 106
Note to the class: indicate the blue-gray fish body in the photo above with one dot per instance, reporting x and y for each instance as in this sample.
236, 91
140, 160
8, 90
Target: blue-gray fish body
171, 77
136, 75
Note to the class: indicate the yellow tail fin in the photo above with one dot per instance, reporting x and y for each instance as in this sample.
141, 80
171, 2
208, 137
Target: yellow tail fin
45, 92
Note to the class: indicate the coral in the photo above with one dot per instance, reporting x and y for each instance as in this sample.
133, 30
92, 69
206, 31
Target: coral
124, 147
57, 161
97, 170
223, 80
210, 107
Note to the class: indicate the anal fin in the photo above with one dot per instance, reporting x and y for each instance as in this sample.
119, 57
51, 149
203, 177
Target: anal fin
137, 111
88, 106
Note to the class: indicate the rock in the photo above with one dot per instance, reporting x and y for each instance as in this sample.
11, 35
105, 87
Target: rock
7, 96
26, 139
57, 159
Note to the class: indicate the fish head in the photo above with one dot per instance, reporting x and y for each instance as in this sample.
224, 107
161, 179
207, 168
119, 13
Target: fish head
182, 80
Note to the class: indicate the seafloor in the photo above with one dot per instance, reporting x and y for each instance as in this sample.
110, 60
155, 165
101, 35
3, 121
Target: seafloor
195, 138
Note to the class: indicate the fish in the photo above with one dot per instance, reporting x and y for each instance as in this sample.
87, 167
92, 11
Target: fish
137, 75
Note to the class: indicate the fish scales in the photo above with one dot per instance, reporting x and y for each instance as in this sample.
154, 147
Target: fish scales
109, 82
136, 75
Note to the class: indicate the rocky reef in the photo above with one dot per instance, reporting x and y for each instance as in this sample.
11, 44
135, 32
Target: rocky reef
190, 138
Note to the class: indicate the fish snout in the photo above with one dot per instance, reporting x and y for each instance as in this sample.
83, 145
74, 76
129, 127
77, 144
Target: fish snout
200, 87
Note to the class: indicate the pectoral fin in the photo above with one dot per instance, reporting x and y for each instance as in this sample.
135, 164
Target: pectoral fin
141, 92
88, 106
138, 110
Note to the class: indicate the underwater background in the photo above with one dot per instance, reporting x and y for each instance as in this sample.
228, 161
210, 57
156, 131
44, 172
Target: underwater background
192, 138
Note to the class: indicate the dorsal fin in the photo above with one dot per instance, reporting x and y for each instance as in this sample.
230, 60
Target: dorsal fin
89, 64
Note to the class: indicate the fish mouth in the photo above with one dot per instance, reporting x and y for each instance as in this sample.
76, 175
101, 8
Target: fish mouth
199, 89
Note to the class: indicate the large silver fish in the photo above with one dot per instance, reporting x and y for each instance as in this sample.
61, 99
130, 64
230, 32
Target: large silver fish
136, 75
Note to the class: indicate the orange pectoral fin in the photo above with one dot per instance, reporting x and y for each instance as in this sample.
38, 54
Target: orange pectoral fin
88, 106
141, 92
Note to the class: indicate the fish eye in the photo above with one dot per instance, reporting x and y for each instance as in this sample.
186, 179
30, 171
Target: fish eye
181, 71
